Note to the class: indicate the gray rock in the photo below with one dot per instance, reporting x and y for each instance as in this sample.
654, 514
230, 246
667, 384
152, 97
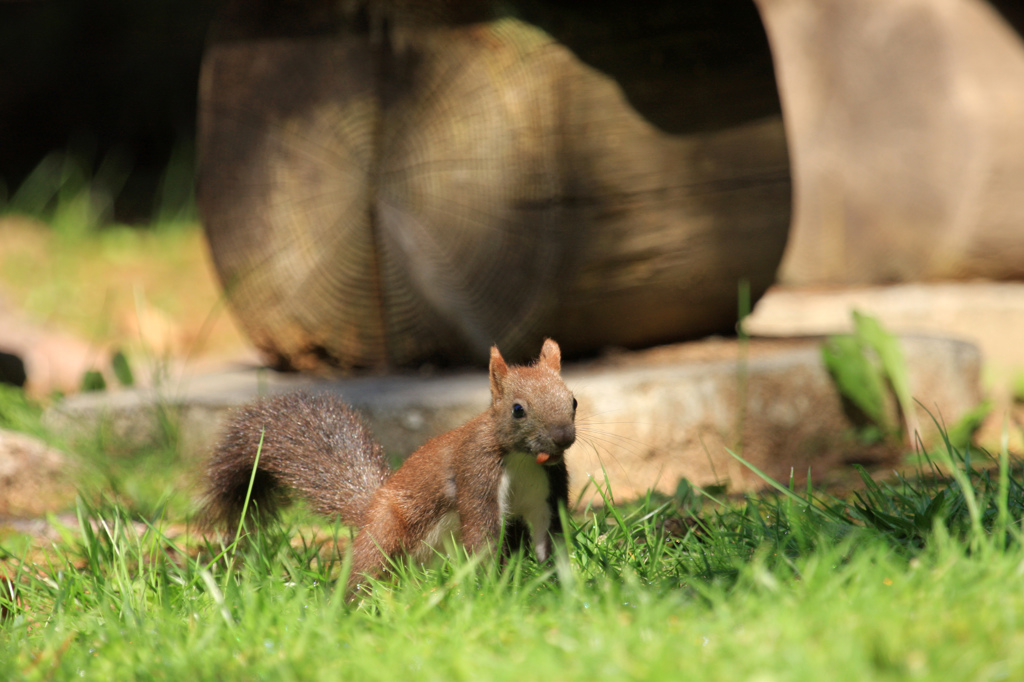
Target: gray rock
988, 314
34, 478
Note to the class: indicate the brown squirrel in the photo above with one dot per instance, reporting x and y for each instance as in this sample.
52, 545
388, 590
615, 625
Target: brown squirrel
502, 470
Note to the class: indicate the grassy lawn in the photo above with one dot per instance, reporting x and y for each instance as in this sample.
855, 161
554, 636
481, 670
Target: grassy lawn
915, 578
919, 578
65, 262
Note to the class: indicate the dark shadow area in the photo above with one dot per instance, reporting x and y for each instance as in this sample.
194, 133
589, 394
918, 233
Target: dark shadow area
684, 66
12, 370
99, 78
1013, 13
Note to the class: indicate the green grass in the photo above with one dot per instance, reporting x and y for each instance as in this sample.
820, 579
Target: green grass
146, 290
915, 578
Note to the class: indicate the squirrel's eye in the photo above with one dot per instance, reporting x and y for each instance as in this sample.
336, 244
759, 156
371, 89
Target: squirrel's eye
574, 404
518, 411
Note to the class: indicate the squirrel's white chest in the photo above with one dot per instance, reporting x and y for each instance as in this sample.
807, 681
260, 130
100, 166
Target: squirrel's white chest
523, 491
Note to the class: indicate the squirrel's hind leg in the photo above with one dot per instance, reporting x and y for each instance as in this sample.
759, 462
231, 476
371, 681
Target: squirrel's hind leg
381, 541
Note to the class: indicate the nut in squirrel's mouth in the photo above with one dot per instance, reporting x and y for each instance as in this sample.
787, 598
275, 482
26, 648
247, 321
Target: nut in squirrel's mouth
548, 459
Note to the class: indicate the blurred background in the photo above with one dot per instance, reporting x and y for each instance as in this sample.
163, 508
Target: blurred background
106, 82
394, 184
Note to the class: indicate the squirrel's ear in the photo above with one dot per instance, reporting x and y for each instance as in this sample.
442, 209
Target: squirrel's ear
498, 371
551, 355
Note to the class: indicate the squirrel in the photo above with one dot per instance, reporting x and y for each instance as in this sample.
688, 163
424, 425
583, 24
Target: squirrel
502, 474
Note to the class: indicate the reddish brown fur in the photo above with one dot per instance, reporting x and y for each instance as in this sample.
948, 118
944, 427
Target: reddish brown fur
460, 471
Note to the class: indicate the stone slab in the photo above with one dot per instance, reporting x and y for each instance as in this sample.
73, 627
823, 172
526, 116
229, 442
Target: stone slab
646, 419
988, 314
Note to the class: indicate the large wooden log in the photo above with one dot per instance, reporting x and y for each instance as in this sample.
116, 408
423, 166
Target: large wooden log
906, 123
385, 184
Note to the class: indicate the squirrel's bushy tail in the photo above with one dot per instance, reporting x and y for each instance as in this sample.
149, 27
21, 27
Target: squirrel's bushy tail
314, 446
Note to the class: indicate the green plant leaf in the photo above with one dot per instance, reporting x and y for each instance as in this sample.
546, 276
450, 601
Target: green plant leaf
857, 377
962, 432
887, 346
93, 380
122, 370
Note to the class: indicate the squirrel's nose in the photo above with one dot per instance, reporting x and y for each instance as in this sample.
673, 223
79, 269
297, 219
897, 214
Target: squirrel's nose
563, 436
